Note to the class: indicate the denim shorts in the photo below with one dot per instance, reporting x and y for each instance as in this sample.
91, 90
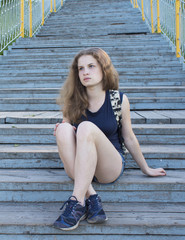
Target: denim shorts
122, 170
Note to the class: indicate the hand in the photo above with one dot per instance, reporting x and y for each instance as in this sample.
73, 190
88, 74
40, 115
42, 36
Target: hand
155, 172
55, 129
56, 126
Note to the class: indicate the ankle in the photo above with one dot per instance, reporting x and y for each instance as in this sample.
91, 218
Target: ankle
88, 194
93, 196
81, 201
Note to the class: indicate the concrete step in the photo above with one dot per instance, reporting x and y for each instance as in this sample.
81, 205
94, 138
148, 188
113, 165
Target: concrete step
66, 32
143, 79
52, 43
29, 104
51, 51
133, 37
45, 104
46, 185
137, 51
125, 81
129, 59
41, 43
125, 74
101, 31
117, 61
57, 69
53, 65
35, 79
149, 134
51, 117
140, 39
131, 92
127, 221
22, 156
141, 36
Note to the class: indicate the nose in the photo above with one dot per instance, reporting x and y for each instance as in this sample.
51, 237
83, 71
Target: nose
86, 71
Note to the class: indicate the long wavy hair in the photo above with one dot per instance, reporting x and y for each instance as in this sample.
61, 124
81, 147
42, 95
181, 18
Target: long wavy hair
73, 95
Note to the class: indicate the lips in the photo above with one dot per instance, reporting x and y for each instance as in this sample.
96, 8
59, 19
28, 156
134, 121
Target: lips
86, 79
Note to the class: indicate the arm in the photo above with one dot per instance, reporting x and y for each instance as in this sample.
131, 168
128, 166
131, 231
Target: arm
131, 142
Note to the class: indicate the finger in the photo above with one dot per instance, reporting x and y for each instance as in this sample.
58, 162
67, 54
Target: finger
54, 133
162, 172
56, 126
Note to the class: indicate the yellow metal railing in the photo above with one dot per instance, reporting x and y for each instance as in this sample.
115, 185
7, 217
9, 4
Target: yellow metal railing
22, 18
166, 16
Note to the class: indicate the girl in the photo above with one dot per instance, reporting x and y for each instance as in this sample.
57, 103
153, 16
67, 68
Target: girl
88, 140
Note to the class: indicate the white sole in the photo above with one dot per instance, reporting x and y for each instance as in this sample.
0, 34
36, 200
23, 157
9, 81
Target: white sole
73, 227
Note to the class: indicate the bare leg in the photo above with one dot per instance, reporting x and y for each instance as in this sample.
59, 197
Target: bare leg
66, 141
95, 155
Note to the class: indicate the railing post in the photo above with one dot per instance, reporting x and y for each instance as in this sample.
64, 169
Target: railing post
142, 7
42, 23
158, 18
177, 7
22, 18
135, 4
51, 6
54, 5
152, 16
30, 18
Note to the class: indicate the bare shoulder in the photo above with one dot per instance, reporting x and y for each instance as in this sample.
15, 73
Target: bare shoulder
125, 106
126, 119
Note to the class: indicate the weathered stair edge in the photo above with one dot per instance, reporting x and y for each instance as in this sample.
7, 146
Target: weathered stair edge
28, 185
126, 221
52, 117
43, 157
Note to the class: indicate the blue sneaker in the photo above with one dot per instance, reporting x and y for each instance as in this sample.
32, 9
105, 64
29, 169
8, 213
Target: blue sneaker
95, 212
71, 216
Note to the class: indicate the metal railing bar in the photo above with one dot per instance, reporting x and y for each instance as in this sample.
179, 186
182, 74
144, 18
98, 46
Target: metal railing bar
23, 18
166, 17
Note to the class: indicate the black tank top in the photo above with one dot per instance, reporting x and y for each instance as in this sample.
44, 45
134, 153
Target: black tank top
105, 120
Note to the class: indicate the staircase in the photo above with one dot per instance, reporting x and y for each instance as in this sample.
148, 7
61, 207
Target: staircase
33, 184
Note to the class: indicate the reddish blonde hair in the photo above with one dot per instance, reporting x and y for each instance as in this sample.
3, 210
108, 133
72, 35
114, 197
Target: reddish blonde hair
73, 94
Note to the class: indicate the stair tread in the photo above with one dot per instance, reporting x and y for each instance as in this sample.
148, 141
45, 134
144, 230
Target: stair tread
50, 126
32, 156
119, 214
121, 88
35, 148
59, 177
134, 114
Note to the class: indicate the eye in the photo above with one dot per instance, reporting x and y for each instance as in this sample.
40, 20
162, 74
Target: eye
80, 68
91, 66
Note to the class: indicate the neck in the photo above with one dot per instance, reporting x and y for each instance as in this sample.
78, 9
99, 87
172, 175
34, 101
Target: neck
94, 93
96, 98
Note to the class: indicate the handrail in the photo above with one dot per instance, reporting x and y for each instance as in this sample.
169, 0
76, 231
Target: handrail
23, 18
168, 17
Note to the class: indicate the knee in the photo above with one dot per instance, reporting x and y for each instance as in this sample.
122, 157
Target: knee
86, 131
64, 131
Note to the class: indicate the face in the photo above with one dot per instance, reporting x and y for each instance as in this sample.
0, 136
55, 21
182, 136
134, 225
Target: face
89, 71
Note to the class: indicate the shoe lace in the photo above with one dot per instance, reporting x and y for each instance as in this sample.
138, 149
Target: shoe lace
94, 205
70, 204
